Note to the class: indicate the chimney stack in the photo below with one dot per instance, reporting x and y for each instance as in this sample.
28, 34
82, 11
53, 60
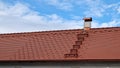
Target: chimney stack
87, 23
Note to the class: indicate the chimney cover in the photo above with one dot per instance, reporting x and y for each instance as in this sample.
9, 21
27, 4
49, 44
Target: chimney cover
87, 19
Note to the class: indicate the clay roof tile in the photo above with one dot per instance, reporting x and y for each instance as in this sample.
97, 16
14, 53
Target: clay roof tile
100, 43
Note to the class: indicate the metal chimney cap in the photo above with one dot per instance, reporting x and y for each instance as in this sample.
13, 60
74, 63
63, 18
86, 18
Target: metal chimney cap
87, 19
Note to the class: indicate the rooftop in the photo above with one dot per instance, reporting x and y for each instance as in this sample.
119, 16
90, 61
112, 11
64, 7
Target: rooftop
61, 45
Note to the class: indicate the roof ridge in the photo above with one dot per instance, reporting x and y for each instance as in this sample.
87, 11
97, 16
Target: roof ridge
40, 31
53, 31
106, 28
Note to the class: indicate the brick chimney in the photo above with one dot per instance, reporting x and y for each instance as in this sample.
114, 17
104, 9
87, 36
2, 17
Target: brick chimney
87, 23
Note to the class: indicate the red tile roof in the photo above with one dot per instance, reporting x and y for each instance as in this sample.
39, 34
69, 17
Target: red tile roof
101, 44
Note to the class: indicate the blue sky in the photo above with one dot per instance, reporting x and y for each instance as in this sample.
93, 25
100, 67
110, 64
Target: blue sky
42, 15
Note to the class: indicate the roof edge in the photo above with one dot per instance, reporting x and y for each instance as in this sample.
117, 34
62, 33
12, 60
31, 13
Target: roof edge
55, 31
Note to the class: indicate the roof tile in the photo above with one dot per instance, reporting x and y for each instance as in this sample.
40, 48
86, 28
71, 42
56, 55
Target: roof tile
100, 43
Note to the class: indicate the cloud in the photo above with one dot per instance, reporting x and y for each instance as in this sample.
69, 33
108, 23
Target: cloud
115, 7
90, 8
60, 4
95, 8
20, 18
118, 9
112, 23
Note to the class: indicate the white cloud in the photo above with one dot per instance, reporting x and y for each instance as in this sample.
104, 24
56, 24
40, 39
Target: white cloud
118, 9
19, 18
112, 23
115, 7
60, 4
94, 8
95, 24
99, 9
94, 12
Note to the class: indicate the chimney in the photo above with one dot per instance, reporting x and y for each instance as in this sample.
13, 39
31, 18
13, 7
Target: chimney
87, 23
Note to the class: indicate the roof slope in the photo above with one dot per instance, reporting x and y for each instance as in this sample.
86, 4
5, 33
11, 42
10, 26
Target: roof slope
101, 43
